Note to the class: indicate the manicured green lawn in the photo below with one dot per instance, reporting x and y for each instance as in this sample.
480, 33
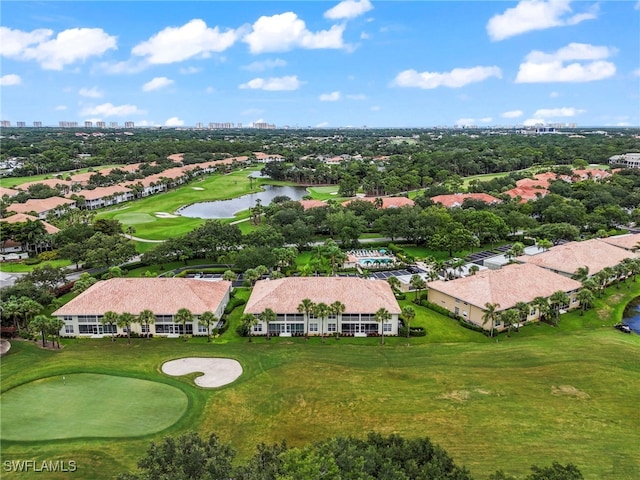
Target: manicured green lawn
146, 214
11, 182
20, 267
89, 405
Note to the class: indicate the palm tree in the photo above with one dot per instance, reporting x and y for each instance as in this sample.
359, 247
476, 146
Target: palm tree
394, 283
124, 321
110, 318
249, 321
490, 315
183, 316
54, 326
147, 317
509, 317
306, 306
581, 274
229, 276
418, 283
268, 316
543, 307
381, 316
408, 314
545, 244
586, 298
473, 269
206, 320
517, 249
337, 308
523, 311
557, 300
41, 324
321, 311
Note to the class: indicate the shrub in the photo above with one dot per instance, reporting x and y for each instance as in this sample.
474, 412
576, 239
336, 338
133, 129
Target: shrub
413, 332
45, 256
234, 303
64, 289
435, 308
401, 296
32, 261
472, 326
242, 330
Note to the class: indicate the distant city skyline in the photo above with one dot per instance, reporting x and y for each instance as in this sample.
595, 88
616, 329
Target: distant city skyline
316, 64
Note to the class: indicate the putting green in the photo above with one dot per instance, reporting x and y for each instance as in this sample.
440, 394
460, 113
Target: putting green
133, 218
89, 405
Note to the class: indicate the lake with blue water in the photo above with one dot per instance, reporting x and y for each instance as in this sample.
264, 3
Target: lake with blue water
228, 208
632, 315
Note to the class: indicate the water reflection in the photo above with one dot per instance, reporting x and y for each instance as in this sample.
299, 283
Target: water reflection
227, 208
632, 315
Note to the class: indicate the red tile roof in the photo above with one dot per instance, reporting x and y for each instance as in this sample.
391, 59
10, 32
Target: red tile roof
456, 199
101, 192
163, 296
629, 241
23, 218
507, 286
387, 202
39, 205
307, 204
357, 294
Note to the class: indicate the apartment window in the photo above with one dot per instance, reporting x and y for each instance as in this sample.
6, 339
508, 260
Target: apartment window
313, 327
386, 327
457, 300
257, 328
68, 329
457, 311
332, 327
145, 328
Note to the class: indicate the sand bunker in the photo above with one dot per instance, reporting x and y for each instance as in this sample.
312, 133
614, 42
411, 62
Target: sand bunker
165, 215
197, 188
216, 371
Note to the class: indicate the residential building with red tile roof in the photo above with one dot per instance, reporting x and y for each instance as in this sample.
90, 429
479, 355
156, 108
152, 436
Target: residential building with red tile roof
262, 157
9, 192
526, 193
457, 199
24, 218
60, 184
105, 196
307, 204
387, 202
628, 241
591, 174
361, 298
42, 207
566, 259
505, 287
163, 296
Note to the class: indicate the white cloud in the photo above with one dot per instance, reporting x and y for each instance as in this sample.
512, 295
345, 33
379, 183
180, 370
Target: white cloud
110, 110
330, 97
554, 95
192, 40
364, 36
456, 78
530, 122
189, 70
531, 15
209, 90
263, 65
322, 125
637, 5
540, 67
558, 112
636, 72
156, 84
10, 79
348, 9
512, 114
485, 120
60, 108
69, 46
174, 122
376, 108
94, 92
125, 67
286, 31
290, 82
356, 96
465, 121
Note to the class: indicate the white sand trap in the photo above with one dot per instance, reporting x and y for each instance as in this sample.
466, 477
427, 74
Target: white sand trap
216, 371
165, 215
197, 188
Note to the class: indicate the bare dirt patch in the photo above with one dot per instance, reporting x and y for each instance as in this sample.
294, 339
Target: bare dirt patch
569, 391
216, 372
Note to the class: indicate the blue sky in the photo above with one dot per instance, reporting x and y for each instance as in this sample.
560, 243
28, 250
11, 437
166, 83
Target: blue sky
322, 64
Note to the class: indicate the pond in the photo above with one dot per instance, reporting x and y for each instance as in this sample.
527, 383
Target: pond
631, 315
228, 208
